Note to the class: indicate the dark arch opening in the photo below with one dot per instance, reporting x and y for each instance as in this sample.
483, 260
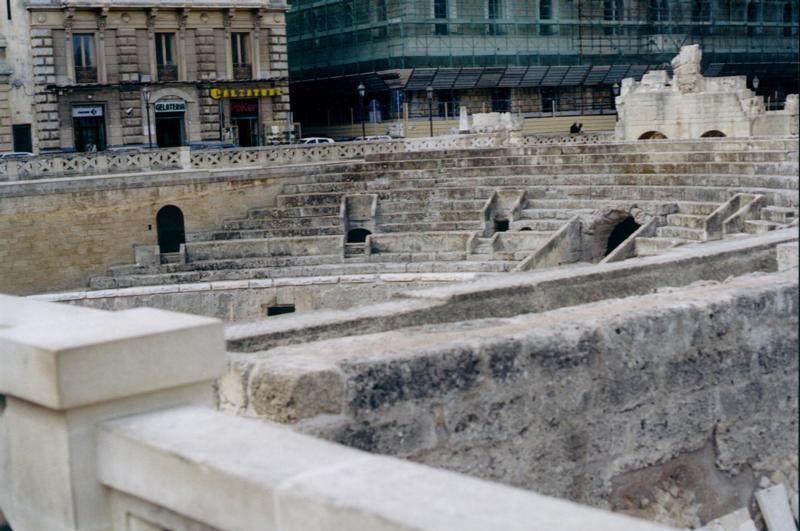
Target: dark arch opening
357, 235
620, 233
501, 225
653, 135
713, 134
525, 228
169, 224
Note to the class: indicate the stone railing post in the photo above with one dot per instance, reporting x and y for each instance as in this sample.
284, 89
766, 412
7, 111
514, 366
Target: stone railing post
186, 157
64, 370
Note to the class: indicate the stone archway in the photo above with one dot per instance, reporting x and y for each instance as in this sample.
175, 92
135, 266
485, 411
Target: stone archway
713, 134
170, 229
357, 235
653, 135
599, 229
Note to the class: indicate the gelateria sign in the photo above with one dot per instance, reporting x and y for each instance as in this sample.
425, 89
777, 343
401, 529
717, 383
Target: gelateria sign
222, 93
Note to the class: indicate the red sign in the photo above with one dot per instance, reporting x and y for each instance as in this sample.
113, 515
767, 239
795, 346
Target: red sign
240, 107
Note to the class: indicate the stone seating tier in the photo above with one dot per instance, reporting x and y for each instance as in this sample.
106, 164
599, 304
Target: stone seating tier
445, 191
248, 269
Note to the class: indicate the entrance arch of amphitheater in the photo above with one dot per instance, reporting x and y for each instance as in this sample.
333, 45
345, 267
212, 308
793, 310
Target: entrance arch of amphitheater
713, 134
170, 228
620, 233
357, 235
653, 135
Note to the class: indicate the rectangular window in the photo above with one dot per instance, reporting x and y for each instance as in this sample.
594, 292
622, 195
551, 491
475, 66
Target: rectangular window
545, 13
84, 57
166, 67
8, 9
493, 13
440, 12
240, 50
493, 9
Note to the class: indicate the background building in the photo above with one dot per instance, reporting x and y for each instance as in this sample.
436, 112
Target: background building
536, 57
17, 125
173, 73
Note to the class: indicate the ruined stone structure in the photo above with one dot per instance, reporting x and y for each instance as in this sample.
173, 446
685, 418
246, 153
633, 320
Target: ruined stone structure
688, 105
609, 322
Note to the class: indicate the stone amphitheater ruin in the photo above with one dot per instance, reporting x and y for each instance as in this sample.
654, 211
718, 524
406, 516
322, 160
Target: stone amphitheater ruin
608, 321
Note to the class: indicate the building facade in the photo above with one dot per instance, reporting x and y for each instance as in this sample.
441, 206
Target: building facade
534, 57
108, 74
16, 80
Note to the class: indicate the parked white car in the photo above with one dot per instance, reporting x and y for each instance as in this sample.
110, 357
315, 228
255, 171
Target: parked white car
12, 155
317, 140
373, 138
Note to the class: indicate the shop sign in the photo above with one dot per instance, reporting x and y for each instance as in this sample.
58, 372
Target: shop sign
87, 111
244, 107
221, 93
170, 106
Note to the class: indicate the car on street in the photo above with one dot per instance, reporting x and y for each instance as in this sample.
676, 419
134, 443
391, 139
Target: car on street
317, 140
14, 155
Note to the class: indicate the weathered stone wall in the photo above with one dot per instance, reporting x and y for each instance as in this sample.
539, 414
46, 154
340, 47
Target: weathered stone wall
56, 235
695, 387
242, 300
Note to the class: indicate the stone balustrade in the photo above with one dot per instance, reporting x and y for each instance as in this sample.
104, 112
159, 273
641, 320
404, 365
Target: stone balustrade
182, 158
106, 423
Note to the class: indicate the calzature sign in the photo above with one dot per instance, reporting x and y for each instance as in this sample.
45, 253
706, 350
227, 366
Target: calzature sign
221, 93
170, 106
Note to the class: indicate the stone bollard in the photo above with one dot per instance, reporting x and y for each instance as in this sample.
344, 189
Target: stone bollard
65, 369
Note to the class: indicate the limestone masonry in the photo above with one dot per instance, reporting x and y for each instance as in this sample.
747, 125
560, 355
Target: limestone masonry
486, 331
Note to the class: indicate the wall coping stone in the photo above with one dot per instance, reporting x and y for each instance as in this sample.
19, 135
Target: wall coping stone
62, 356
281, 480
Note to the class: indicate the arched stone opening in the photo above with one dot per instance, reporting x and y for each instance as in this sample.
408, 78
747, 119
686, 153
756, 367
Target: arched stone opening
713, 134
653, 135
501, 225
620, 233
357, 235
169, 225
525, 228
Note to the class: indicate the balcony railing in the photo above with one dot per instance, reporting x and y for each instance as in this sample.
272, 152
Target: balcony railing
167, 73
242, 71
86, 74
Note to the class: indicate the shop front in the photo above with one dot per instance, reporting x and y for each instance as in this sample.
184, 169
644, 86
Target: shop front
170, 123
88, 124
244, 116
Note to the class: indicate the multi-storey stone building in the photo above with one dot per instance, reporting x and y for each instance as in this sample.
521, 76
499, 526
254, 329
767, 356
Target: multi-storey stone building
16, 82
165, 74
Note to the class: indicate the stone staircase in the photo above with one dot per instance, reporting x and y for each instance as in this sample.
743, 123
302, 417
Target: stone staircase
445, 191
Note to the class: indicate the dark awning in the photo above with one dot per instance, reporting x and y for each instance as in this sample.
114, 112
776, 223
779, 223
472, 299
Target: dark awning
523, 76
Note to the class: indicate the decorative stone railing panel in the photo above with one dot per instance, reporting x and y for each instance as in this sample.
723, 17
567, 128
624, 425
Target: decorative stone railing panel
110, 162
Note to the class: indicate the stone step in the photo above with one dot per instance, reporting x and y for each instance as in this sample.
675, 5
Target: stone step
282, 223
681, 233
355, 249
655, 245
432, 215
697, 208
782, 215
375, 266
255, 234
292, 212
554, 213
691, 221
442, 226
483, 247
537, 224
757, 226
